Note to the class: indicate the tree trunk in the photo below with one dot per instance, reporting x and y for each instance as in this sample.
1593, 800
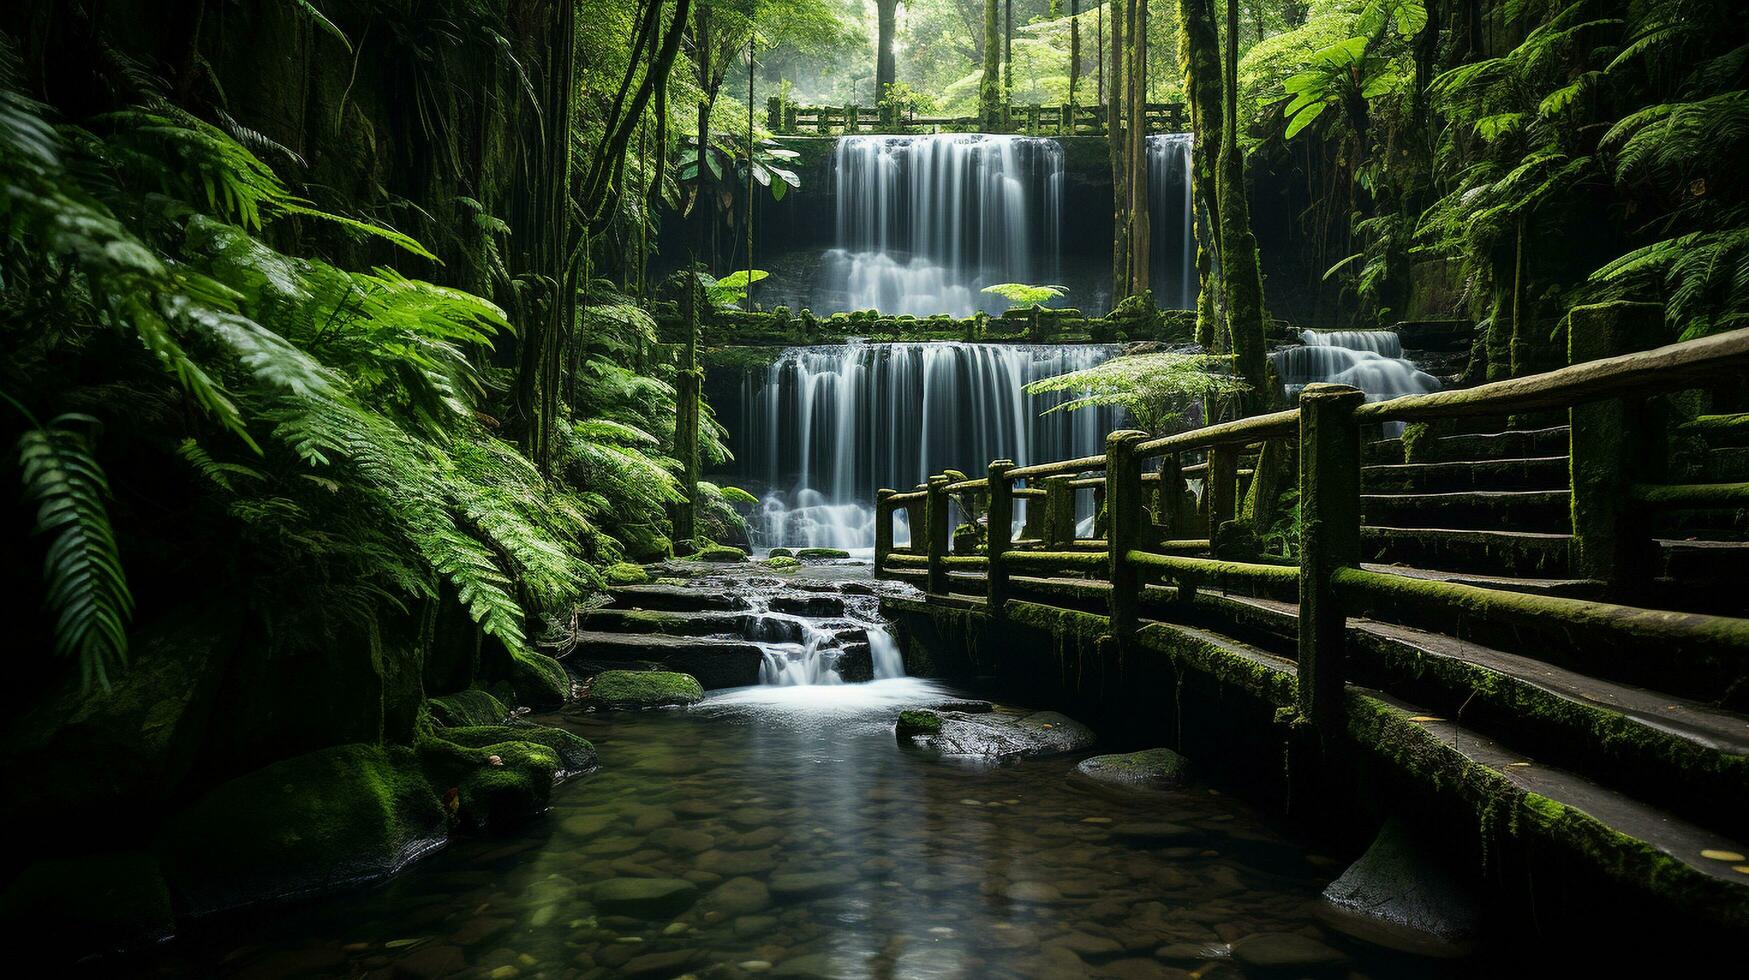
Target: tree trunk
1074, 57
1120, 185
886, 66
1199, 51
1137, 142
990, 86
1008, 53
1240, 275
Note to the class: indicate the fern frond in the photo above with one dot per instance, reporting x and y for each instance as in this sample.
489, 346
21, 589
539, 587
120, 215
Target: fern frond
87, 588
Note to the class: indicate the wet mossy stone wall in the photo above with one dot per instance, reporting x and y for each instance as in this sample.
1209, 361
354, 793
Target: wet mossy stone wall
731, 330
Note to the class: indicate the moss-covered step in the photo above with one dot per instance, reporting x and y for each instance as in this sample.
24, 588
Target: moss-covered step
1547, 511
1539, 473
715, 661
676, 598
304, 826
638, 689
1523, 554
1510, 444
702, 623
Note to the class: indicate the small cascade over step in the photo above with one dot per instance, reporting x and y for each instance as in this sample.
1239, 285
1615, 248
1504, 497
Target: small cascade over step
825, 427
736, 627
923, 223
1371, 360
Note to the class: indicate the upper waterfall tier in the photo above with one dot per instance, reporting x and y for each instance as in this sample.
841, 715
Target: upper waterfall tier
923, 223
1171, 216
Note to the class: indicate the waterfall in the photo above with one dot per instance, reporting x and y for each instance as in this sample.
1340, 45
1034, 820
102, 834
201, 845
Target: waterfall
925, 222
834, 424
1171, 217
1371, 360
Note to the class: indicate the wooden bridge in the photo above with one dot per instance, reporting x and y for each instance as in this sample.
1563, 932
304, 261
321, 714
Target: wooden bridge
790, 119
1506, 658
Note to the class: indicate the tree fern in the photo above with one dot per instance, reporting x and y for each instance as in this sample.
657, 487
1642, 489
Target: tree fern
87, 589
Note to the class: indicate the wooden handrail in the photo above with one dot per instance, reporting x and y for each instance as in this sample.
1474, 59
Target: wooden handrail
1240, 432
1060, 468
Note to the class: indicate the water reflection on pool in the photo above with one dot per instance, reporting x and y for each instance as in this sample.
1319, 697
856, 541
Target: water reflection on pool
783, 830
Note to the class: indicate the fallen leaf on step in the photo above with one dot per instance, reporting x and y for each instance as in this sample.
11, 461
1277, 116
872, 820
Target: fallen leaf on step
1712, 855
1426, 718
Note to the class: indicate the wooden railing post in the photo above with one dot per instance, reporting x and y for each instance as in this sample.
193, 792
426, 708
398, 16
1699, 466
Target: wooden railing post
1329, 539
937, 535
999, 532
1059, 512
883, 530
1125, 519
1221, 489
1612, 445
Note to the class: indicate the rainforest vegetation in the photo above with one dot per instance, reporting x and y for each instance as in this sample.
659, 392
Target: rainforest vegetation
352, 350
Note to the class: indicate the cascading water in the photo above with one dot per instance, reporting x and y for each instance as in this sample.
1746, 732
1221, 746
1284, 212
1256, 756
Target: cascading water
1371, 360
925, 222
1171, 216
825, 427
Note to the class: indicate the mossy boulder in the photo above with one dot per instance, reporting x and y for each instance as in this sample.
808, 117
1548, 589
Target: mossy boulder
78, 755
918, 723
470, 707
821, 554
514, 784
308, 825
994, 735
782, 553
535, 679
720, 553
1151, 773
576, 754
625, 573
642, 689
107, 902
782, 564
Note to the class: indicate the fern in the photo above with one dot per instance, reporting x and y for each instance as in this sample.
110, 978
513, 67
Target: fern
87, 589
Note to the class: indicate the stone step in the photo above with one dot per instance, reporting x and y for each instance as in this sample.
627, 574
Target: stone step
1724, 464
1382, 452
1511, 444
676, 598
1520, 510
1538, 473
1524, 554
701, 623
1512, 790
717, 662
1689, 757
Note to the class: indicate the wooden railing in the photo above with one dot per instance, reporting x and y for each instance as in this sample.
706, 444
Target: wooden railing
790, 119
1136, 477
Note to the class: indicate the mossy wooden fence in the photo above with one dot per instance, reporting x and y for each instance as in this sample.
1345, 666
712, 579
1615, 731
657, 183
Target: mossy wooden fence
791, 119
1141, 535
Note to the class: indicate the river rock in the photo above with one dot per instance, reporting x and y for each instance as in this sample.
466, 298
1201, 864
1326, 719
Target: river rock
666, 964
1397, 896
994, 735
816, 966
645, 898
807, 884
1149, 774
739, 896
1287, 952
642, 689
674, 598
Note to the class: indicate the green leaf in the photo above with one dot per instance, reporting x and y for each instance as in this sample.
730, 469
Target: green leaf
1305, 118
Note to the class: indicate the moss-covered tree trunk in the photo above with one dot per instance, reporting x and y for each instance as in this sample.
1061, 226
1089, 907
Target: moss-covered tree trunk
1241, 276
886, 65
1199, 52
1074, 58
990, 86
1136, 143
1114, 138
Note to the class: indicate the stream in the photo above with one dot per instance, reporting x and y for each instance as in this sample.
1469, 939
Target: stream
782, 829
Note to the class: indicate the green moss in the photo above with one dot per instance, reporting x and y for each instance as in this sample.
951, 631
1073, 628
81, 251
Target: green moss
92, 904
918, 723
642, 689
308, 825
782, 553
537, 680
807, 554
720, 553
507, 791
625, 573
574, 752
470, 707
779, 563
